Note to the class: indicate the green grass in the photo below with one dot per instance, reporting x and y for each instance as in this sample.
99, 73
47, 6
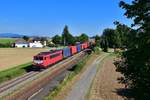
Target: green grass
60, 47
14, 72
6, 40
97, 50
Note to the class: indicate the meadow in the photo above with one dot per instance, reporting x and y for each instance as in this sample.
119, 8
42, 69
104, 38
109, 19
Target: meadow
11, 57
6, 40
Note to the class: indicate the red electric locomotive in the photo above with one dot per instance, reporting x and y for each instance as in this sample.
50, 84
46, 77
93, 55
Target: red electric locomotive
44, 59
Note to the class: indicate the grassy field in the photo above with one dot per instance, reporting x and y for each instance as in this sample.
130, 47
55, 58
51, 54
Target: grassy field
11, 57
6, 40
14, 72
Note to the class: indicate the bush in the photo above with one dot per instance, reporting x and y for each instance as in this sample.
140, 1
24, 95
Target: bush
97, 50
5, 45
135, 67
13, 72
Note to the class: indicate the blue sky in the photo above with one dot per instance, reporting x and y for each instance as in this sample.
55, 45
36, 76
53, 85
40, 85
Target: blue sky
48, 17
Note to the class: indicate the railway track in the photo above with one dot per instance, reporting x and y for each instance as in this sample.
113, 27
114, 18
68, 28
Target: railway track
16, 81
17, 84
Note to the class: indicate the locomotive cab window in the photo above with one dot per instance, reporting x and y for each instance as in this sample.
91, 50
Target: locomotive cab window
38, 58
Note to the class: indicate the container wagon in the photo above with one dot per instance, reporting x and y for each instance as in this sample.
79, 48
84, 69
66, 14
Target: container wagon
84, 46
73, 49
78, 47
66, 52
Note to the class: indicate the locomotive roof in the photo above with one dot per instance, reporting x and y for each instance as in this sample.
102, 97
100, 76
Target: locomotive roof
48, 52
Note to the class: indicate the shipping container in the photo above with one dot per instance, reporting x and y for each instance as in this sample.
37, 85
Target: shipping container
88, 44
78, 48
66, 52
73, 49
84, 45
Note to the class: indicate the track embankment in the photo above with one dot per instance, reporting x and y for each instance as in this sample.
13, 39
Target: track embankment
105, 85
78, 87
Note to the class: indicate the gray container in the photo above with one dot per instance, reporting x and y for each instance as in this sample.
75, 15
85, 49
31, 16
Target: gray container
78, 47
66, 52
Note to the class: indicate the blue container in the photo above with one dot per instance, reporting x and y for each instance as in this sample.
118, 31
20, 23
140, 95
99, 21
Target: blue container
78, 47
66, 52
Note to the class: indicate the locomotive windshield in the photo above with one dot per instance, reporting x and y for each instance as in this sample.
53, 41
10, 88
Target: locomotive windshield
38, 58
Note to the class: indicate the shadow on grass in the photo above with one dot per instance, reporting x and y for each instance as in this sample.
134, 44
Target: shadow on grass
126, 93
71, 69
31, 68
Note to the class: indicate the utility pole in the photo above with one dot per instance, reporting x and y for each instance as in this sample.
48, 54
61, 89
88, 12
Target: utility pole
64, 41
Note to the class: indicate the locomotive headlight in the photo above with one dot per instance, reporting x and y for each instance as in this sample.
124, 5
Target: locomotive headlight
38, 61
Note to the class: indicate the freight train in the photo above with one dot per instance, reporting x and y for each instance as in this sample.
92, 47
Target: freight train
45, 59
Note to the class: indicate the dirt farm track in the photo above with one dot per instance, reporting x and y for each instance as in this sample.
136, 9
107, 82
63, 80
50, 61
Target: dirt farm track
11, 57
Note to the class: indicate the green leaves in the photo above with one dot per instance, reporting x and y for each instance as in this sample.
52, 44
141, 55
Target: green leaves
26, 38
83, 38
135, 63
67, 38
57, 39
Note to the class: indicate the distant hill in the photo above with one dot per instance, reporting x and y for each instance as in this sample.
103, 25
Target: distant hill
10, 35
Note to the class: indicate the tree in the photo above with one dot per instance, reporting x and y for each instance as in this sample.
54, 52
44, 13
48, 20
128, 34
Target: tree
108, 35
25, 38
104, 44
67, 38
135, 63
97, 40
122, 33
83, 38
57, 39
43, 38
118, 37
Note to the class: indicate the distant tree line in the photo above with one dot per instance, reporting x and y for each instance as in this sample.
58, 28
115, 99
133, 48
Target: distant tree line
66, 38
110, 38
120, 37
6, 45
